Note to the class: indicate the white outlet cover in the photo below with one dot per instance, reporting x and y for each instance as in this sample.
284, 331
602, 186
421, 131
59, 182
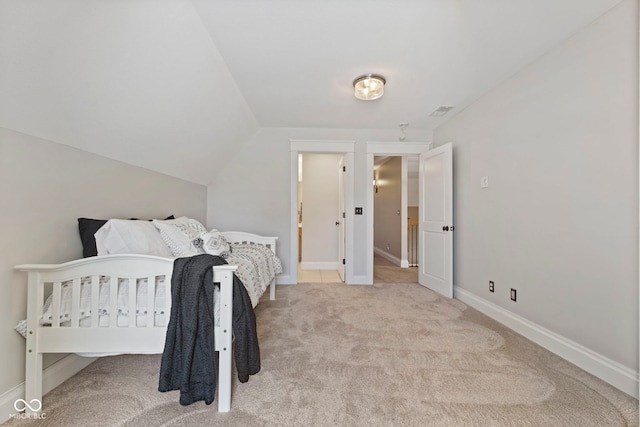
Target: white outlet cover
484, 182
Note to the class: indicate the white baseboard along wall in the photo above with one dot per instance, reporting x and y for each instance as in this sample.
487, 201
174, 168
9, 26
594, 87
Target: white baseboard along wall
612, 372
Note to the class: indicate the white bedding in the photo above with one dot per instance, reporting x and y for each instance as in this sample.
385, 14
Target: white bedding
257, 266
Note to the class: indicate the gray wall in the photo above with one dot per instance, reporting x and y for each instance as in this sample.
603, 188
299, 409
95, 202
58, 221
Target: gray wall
44, 188
559, 220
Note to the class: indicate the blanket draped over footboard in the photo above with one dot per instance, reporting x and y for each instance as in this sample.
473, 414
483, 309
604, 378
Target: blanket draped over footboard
119, 303
188, 360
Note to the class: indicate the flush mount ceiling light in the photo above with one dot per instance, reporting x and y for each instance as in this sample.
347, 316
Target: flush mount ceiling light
369, 86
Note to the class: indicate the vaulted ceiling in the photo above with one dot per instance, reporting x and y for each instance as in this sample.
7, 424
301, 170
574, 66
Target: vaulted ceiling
172, 84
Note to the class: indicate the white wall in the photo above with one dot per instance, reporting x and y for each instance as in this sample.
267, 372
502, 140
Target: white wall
412, 192
44, 188
559, 220
255, 187
320, 211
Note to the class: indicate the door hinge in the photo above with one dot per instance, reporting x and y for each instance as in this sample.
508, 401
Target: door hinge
343, 215
344, 169
343, 261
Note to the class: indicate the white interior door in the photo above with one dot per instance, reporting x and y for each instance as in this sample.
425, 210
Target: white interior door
435, 226
341, 219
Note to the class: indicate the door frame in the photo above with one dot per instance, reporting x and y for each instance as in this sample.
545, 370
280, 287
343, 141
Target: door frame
341, 218
347, 149
383, 149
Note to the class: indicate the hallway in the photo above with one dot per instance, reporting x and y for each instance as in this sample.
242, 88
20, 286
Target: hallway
383, 272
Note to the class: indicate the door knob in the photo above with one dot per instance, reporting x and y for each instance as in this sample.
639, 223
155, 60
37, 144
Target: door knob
337, 222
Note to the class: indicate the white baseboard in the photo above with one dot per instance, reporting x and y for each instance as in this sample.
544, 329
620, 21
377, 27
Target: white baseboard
284, 279
360, 280
52, 377
331, 265
610, 371
386, 255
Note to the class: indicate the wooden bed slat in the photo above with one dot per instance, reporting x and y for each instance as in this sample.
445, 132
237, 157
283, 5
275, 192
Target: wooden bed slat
151, 301
95, 301
55, 304
113, 302
131, 317
75, 303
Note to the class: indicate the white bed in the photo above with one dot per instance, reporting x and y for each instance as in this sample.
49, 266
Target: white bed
99, 330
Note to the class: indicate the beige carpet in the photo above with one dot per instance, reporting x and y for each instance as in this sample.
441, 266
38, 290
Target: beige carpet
385, 271
337, 355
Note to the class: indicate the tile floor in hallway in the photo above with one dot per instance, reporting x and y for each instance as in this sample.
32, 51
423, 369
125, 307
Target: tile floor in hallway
318, 276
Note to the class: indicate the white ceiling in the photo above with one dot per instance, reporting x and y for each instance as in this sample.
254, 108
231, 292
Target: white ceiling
172, 84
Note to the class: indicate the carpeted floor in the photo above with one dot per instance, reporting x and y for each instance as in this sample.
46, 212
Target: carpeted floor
337, 355
385, 271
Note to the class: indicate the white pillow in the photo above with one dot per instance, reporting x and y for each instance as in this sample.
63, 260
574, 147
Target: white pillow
123, 236
182, 238
214, 243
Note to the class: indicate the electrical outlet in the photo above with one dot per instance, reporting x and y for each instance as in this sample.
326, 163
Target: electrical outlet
513, 294
491, 286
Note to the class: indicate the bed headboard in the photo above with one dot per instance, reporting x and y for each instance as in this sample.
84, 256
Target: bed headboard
250, 238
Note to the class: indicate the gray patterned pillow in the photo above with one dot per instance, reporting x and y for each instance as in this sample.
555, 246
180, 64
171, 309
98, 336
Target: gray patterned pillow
183, 238
214, 243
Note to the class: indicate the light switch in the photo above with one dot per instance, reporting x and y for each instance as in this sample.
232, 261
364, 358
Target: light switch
484, 181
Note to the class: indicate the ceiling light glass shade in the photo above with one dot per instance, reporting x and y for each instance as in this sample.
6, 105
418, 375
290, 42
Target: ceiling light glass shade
369, 86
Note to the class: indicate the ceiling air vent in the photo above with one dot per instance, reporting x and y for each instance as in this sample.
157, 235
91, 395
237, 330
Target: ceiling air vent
441, 110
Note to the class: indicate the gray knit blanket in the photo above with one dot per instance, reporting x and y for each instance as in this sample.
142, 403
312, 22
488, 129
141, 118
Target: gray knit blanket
188, 362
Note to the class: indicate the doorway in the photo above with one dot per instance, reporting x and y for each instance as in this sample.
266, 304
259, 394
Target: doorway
346, 149
375, 149
395, 183
435, 224
319, 223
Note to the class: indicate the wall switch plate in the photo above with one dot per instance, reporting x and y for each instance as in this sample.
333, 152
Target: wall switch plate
484, 181
513, 294
358, 211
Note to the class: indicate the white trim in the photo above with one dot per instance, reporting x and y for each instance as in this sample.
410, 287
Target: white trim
610, 371
391, 149
285, 279
397, 148
330, 265
404, 212
347, 148
52, 377
360, 280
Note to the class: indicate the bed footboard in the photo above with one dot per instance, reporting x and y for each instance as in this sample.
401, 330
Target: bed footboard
74, 330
